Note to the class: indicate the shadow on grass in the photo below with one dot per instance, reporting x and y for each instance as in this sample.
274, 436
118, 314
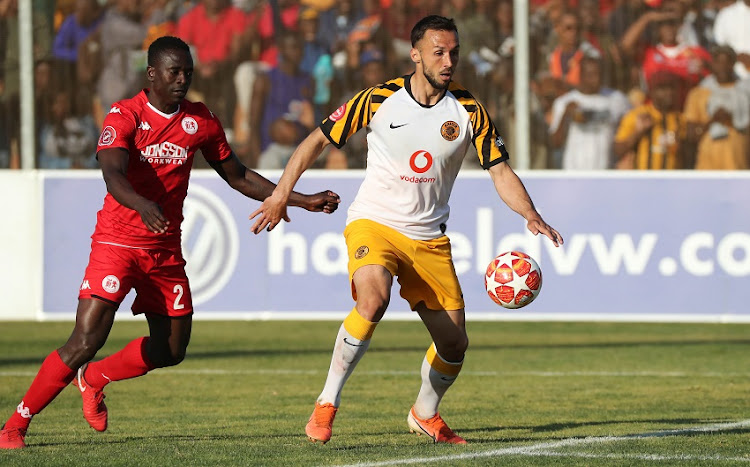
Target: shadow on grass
693, 424
472, 348
238, 353
692, 427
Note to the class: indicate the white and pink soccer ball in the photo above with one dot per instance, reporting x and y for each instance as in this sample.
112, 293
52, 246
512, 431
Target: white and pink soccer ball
513, 279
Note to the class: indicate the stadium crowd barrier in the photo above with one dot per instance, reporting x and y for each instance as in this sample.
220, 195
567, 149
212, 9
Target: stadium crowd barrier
672, 247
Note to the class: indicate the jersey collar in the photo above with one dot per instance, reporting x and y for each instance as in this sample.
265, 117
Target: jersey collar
407, 86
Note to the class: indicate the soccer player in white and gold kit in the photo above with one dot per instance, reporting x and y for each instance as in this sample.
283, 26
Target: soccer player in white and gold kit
419, 128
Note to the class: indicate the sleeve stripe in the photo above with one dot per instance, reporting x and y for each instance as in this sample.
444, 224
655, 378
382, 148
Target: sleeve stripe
359, 111
392, 86
350, 117
364, 109
461, 94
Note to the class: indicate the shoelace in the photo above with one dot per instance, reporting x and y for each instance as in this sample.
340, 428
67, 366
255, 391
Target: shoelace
324, 415
445, 431
99, 399
15, 433
442, 428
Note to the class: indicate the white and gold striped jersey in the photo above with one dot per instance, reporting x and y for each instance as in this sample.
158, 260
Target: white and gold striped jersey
414, 153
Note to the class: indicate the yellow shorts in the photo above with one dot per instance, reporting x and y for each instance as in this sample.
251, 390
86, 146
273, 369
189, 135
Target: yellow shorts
424, 267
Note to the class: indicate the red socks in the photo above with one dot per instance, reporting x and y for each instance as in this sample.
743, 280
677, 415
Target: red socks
51, 379
54, 375
130, 362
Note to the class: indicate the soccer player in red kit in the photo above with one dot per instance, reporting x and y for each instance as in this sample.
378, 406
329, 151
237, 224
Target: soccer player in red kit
146, 150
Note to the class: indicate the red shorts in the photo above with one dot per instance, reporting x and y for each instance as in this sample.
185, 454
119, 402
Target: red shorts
157, 275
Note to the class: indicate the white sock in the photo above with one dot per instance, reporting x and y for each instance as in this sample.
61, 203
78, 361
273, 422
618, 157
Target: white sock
347, 352
434, 384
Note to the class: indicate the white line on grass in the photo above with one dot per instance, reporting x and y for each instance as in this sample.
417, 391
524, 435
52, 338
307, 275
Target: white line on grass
549, 448
291, 371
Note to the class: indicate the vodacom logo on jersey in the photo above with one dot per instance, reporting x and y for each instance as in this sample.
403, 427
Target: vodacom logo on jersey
420, 162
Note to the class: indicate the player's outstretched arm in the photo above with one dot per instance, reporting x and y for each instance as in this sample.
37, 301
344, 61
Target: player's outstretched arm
514, 194
273, 208
114, 164
255, 186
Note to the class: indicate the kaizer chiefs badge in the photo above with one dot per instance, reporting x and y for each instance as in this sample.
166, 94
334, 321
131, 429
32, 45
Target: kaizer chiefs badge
361, 252
450, 131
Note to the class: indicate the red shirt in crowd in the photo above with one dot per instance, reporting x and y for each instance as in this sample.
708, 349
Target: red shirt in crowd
212, 38
689, 63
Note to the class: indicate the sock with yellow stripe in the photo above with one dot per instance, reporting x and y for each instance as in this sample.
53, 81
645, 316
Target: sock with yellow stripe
352, 342
438, 375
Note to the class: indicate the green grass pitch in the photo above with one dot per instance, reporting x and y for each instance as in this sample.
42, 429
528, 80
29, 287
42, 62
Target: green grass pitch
563, 394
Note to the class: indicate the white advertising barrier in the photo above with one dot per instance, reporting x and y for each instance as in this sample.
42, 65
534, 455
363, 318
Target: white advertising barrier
20, 245
639, 247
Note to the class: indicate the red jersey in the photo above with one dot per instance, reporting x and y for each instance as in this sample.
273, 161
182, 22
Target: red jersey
691, 63
161, 149
212, 37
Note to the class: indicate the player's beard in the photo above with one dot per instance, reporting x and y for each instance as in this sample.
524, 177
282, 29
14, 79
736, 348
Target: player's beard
435, 82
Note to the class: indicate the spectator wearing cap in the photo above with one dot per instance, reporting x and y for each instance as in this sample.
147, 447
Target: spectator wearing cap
584, 120
717, 112
690, 63
651, 136
565, 60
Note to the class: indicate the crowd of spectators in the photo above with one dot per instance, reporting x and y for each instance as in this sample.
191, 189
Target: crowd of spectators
615, 84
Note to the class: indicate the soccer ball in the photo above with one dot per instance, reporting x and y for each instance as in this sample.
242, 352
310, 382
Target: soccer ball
513, 279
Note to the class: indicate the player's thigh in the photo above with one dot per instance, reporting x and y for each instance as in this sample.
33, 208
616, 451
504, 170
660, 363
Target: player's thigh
371, 285
94, 320
430, 278
164, 288
371, 244
111, 273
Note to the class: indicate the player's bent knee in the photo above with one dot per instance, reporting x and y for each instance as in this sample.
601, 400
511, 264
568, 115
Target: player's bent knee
175, 360
372, 308
78, 351
453, 349
163, 357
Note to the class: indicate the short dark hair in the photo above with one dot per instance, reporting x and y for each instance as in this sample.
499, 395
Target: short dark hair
724, 50
162, 45
433, 22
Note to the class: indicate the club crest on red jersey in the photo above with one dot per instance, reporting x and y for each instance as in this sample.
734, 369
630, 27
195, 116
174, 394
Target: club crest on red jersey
111, 283
108, 136
190, 125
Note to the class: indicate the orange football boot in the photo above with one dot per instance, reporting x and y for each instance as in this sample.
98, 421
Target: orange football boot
320, 426
433, 427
